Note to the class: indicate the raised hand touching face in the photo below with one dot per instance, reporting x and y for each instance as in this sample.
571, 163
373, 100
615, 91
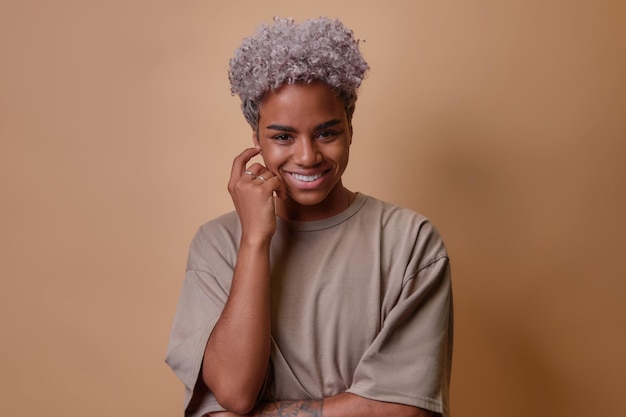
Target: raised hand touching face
252, 189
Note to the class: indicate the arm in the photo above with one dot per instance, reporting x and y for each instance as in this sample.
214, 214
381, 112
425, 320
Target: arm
236, 357
342, 405
427, 292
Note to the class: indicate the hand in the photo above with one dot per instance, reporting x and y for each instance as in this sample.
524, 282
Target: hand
252, 190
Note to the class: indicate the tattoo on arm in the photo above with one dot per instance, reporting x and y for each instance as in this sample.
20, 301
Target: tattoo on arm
311, 408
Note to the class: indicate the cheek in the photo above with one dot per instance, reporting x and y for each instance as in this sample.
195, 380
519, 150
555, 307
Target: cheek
342, 154
271, 159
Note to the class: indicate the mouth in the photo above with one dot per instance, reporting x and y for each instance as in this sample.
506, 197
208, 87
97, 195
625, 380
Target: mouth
307, 178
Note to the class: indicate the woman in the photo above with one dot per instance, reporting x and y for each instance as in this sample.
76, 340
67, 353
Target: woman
310, 298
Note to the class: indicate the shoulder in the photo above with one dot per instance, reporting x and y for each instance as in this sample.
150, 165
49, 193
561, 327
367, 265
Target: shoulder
402, 226
393, 217
226, 224
218, 237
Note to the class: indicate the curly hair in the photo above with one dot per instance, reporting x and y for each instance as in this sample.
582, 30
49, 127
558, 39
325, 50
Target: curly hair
289, 53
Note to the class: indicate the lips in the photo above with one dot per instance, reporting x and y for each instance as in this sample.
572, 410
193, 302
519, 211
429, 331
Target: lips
306, 178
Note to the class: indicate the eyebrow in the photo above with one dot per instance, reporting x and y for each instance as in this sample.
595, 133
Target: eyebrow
291, 129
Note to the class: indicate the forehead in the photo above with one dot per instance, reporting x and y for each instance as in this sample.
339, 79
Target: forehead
301, 102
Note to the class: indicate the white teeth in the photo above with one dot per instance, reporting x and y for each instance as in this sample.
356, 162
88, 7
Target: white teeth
306, 178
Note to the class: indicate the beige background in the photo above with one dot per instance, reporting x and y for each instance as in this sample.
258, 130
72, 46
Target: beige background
503, 121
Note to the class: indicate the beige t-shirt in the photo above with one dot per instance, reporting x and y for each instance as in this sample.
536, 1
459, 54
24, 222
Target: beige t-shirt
361, 302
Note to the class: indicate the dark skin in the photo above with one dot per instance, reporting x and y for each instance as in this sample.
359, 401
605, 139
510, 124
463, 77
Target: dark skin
304, 137
342, 405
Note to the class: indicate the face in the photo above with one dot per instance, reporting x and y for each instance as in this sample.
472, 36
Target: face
305, 139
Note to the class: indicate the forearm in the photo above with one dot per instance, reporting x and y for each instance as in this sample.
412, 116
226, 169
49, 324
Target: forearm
237, 353
342, 405
350, 405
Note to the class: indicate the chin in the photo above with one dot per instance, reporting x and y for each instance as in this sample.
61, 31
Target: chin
308, 199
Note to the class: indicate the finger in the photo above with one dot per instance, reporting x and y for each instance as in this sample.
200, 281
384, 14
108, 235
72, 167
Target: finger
240, 161
281, 193
277, 187
256, 169
264, 174
251, 175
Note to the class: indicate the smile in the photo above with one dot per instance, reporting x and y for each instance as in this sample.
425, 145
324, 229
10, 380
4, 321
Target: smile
306, 178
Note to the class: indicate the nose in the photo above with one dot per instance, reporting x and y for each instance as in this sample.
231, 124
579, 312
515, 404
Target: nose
306, 152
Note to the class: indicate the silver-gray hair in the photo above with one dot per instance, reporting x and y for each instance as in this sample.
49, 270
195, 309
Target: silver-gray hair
289, 53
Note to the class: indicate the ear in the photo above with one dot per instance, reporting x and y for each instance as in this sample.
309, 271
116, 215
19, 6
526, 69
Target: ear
255, 137
351, 133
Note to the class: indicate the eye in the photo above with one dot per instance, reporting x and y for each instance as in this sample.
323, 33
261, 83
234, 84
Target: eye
326, 134
281, 137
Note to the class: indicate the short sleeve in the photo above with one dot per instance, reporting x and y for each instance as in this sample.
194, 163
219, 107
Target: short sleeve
409, 361
200, 304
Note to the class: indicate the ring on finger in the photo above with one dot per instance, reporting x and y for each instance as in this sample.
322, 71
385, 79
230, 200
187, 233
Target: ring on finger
252, 174
261, 177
